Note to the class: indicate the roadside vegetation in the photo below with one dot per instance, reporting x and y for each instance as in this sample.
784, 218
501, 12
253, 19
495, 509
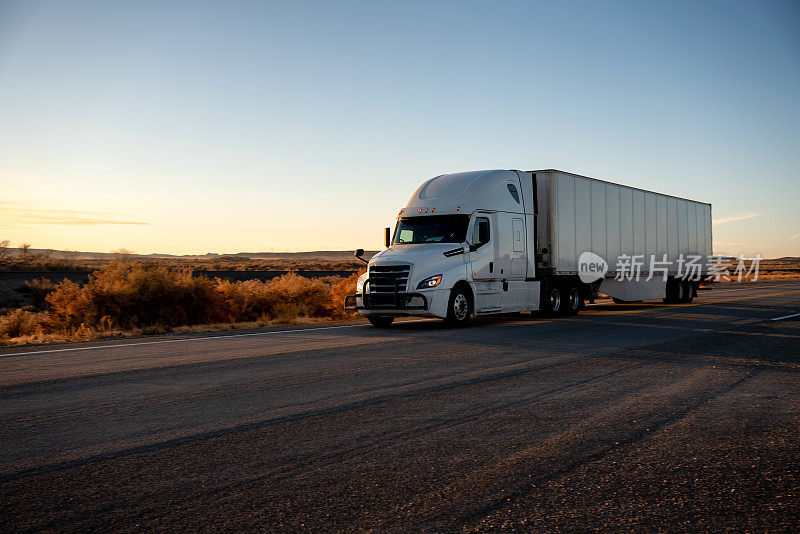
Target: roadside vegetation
125, 298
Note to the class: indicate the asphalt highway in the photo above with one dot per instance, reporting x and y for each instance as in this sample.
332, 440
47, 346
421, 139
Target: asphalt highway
633, 416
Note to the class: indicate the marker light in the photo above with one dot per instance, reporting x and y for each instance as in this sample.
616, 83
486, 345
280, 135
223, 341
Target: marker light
433, 209
420, 210
426, 210
431, 281
458, 208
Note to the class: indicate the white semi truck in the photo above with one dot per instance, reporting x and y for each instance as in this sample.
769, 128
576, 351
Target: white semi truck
502, 241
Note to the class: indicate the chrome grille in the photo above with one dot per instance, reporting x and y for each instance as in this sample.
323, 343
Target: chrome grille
388, 279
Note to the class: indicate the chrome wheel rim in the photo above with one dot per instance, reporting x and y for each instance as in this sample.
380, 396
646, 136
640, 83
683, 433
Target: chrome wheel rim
555, 299
573, 298
460, 307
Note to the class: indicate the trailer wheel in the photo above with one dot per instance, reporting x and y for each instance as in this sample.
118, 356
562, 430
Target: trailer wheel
380, 321
573, 301
688, 295
680, 291
553, 301
459, 308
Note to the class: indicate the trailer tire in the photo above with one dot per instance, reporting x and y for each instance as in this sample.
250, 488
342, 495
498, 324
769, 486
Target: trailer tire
459, 307
553, 300
688, 291
573, 301
680, 291
380, 321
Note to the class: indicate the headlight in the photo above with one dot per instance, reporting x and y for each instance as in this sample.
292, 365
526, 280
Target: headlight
431, 281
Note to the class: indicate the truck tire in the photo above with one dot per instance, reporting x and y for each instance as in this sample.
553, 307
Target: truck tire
380, 321
459, 308
680, 291
553, 300
688, 291
573, 301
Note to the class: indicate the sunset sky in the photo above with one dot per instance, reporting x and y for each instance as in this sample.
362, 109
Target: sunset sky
194, 127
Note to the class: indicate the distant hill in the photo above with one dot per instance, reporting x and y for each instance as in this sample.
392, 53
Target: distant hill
318, 254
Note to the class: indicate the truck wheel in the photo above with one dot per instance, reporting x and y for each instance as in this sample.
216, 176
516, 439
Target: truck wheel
380, 321
459, 307
553, 301
573, 302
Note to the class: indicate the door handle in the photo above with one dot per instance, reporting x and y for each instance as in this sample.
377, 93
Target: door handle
491, 266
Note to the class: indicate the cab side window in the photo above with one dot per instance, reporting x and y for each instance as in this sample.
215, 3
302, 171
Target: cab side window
480, 233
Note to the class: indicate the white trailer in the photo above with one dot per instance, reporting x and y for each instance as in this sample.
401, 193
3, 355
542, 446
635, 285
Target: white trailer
500, 241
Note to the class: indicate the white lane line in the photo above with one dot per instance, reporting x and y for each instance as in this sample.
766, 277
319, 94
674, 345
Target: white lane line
785, 317
296, 330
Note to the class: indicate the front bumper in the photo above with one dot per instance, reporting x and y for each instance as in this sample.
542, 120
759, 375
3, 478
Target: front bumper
400, 302
397, 301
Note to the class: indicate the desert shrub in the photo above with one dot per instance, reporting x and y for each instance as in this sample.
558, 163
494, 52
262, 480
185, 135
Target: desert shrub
247, 300
20, 322
339, 290
285, 312
290, 294
131, 295
39, 289
84, 333
67, 306
311, 297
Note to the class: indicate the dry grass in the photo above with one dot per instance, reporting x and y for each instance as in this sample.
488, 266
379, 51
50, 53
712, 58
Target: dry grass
768, 269
130, 298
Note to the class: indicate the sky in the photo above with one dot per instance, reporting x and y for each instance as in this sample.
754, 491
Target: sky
195, 127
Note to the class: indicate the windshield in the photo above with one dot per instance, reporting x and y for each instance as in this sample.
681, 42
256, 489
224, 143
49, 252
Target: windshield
433, 229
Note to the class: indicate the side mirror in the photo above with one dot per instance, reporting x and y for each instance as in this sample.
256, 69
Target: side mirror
358, 253
387, 237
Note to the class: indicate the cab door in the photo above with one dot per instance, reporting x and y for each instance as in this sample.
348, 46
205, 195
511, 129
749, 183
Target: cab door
513, 262
483, 262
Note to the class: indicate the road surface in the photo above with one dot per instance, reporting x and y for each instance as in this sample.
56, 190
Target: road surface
649, 416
